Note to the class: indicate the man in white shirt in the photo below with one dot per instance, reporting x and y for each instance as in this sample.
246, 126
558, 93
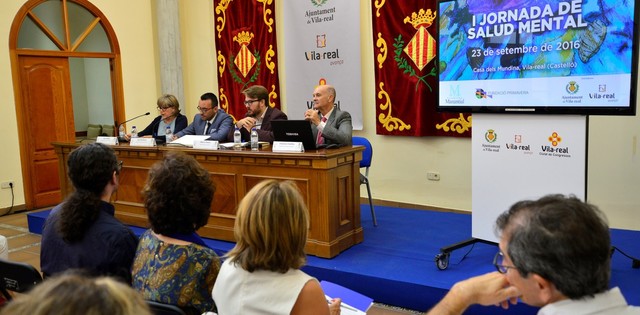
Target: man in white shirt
555, 253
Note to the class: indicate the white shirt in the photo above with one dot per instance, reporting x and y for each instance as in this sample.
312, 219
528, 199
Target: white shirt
607, 303
261, 292
324, 123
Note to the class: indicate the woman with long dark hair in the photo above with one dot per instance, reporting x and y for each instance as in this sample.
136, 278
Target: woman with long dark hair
81, 232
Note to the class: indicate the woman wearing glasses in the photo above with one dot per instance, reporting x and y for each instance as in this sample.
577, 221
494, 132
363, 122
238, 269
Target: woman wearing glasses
170, 116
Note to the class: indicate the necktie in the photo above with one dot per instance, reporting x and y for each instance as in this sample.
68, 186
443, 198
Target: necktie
206, 129
320, 139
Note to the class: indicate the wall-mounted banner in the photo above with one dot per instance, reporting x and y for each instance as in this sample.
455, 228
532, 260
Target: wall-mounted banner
247, 54
405, 66
322, 46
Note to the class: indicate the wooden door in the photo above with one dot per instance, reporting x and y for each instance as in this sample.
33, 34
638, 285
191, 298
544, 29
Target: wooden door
47, 116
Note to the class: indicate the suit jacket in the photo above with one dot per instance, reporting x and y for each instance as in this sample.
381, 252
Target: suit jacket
218, 130
337, 130
265, 133
152, 129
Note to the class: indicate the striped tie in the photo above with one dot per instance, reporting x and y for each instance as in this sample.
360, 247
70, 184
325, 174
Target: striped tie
320, 139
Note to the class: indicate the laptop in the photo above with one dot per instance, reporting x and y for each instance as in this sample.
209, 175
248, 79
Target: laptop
294, 131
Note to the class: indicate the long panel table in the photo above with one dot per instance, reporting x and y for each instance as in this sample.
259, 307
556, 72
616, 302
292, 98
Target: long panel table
329, 181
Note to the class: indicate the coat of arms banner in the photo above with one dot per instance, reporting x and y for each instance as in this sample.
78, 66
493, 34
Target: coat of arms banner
245, 37
404, 39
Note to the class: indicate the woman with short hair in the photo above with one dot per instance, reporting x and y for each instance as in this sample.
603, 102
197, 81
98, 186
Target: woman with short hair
173, 265
170, 116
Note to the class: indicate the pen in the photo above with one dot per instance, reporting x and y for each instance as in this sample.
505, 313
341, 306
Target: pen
345, 306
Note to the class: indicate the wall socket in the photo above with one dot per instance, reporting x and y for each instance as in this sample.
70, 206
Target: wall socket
433, 176
6, 185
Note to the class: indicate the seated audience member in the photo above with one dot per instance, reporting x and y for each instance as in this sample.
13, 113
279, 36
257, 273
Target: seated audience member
4, 255
172, 264
4, 248
211, 121
169, 108
259, 115
555, 253
271, 232
82, 232
77, 294
329, 124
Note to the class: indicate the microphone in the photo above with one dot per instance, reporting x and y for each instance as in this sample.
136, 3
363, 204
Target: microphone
121, 138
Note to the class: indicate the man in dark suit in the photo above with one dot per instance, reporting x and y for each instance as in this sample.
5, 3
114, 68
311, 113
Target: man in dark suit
259, 115
212, 121
330, 125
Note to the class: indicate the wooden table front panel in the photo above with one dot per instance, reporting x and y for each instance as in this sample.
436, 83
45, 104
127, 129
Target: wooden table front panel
329, 181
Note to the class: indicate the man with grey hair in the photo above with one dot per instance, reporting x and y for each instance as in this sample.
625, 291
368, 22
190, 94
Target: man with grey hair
330, 125
555, 253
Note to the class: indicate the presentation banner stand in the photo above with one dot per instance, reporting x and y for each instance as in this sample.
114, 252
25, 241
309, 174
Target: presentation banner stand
516, 157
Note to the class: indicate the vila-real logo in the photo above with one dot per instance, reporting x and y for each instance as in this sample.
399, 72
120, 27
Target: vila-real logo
554, 149
555, 139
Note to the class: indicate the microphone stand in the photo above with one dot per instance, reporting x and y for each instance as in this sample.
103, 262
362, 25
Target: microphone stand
126, 121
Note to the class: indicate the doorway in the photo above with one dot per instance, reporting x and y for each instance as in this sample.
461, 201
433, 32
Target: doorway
66, 76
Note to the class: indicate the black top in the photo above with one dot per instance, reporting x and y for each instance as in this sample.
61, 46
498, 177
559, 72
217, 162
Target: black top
108, 247
152, 129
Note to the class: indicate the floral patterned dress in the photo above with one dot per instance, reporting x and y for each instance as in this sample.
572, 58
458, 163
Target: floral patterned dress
181, 275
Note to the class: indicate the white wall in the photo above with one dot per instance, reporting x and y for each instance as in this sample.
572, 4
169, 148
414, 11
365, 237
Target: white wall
400, 164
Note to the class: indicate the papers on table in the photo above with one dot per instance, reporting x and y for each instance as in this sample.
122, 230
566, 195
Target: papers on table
188, 140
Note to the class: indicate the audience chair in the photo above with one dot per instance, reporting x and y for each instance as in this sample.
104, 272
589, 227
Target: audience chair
17, 277
158, 308
365, 163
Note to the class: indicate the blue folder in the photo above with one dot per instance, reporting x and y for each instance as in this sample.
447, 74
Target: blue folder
348, 296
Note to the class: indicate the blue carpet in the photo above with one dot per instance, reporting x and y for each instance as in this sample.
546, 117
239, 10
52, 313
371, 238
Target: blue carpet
395, 264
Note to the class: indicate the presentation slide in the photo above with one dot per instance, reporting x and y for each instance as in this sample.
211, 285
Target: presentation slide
521, 53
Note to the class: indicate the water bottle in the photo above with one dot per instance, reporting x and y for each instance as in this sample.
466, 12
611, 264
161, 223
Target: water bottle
134, 132
254, 139
121, 132
168, 134
237, 139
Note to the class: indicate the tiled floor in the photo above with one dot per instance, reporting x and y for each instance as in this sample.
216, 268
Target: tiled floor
25, 247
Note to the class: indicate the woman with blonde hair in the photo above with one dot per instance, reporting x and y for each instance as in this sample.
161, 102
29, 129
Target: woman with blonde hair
261, 274
170, 116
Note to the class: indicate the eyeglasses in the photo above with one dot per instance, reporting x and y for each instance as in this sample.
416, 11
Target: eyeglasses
163, 108
203, 110
498, 261
249, 102
119, 167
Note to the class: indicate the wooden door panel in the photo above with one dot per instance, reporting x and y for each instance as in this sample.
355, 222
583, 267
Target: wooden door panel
47, 112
